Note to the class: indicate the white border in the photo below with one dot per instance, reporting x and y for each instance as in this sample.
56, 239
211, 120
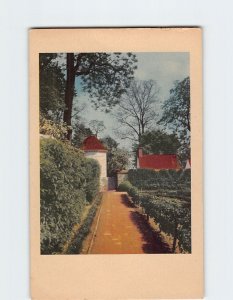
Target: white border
16, 17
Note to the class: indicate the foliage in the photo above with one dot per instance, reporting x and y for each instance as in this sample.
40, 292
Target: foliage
84, 229
126, 186
136, 110
109, 143
176, 115
52, 86
117, 158
170, 183
53, 129
176, 110
80, 132
159, 142
64, 177
172, 215
103, 76
92, 175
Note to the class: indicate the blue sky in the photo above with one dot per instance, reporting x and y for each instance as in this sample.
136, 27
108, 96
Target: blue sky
163, 67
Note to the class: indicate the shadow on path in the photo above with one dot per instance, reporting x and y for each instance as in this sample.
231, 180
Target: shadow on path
152, 242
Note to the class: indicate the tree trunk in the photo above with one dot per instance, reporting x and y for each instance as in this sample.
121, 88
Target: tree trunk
69, 92
175, 238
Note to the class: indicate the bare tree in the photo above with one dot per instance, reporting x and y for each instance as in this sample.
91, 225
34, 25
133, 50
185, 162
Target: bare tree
136, 111
97, 126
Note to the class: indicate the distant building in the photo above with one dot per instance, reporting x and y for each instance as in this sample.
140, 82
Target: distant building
157, 161
93, 148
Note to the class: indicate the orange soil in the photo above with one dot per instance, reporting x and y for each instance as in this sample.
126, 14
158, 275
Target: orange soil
121, 229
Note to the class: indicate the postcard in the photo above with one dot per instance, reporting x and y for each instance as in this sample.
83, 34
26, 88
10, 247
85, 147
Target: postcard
116, 163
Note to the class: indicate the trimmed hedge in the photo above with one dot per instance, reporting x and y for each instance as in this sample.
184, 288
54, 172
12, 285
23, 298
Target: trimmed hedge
83, 231
172, 215
67, 181
170, 183
162, 178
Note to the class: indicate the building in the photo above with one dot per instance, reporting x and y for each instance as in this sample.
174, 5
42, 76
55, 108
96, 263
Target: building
157, 161
93, 148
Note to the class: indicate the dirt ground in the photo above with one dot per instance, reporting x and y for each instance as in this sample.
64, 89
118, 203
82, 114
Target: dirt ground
120, 229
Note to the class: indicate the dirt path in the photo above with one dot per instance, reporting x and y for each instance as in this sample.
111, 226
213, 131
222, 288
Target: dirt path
120, 228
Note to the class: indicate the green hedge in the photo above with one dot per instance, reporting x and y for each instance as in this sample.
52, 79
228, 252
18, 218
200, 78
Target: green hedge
76, 245
133, 192
170, 183
67, 181
162, 178
172, 215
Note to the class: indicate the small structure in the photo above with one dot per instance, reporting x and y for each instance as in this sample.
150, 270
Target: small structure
93, 148
122, 175
157, 161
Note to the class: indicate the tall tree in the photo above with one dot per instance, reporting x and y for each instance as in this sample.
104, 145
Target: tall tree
105, 76
109, 143
176, 109
52, 87
159, 142
176, 115
136, 111
117, 158
80, 132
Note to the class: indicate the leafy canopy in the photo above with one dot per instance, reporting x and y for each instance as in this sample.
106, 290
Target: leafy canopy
52, 86
105, 76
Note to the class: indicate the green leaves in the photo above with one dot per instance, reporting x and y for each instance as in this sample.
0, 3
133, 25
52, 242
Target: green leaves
176, 115
159, 142
117, 159
166, 197
68, 180
52, 86
105, 76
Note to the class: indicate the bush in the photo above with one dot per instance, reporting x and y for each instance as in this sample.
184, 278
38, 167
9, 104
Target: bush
165, 182
126, 186
92, 175
51, 128
65, 176
76, 245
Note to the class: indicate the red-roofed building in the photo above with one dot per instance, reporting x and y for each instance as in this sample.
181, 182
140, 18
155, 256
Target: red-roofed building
157, 161
93, 148
91, 143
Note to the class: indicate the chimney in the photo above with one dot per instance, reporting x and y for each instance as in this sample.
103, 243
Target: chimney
140, 154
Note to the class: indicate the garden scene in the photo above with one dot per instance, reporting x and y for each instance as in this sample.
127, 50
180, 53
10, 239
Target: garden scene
115, 157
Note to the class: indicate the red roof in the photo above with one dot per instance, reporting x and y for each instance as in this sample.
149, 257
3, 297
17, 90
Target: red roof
158, 161
91, 143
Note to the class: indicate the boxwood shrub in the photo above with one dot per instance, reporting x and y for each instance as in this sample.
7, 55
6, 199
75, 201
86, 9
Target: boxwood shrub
67, 181
148, 179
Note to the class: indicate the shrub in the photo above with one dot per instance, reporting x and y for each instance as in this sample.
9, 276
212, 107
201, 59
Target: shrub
53, 129
84, 230
165, 182
64, 188
124, 186
92, 176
